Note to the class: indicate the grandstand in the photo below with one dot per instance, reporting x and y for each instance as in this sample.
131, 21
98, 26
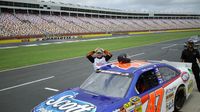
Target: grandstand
33, 19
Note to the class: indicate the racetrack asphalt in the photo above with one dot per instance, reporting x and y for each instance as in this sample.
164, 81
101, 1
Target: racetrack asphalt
22, 89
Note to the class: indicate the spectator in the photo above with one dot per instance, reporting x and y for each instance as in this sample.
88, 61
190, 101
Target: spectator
99, 57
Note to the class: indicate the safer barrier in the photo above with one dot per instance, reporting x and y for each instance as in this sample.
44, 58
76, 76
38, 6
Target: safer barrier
95, 35
8, 41
75, 36
166, 31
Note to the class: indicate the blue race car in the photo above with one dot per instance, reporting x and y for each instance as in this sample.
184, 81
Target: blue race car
138, 86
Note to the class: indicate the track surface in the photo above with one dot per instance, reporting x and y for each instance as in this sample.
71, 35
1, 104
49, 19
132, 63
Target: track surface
22, 89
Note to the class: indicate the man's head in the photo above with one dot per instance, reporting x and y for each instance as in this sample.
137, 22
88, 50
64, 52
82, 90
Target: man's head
99, 52
122, 58
190, 45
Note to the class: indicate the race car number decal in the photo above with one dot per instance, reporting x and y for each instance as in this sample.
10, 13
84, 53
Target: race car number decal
152, 106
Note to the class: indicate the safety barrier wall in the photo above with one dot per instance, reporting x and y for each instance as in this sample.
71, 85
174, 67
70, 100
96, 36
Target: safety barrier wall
32, 38
95, 35
6, 41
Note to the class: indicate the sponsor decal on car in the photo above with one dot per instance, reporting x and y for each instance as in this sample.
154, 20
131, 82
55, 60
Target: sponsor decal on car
170, 98
160, 80
185, 76
190, 86
44, 110
134, 105
170, 104
65, 103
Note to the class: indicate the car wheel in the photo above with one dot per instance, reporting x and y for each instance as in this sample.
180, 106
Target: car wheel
180, 98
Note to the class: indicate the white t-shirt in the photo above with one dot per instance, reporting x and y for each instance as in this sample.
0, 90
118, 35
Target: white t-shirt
99, 62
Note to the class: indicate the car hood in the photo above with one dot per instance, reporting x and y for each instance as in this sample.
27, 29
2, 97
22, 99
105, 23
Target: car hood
76, 100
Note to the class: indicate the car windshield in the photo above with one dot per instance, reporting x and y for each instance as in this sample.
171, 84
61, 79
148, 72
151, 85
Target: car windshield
113, 85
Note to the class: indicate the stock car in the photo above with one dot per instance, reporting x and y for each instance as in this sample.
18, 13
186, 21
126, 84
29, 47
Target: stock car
138, 86
195, 39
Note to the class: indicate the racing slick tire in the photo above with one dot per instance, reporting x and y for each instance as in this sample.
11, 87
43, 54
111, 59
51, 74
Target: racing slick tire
180, 98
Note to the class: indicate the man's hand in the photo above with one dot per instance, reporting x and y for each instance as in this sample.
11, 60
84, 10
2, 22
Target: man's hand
106, 52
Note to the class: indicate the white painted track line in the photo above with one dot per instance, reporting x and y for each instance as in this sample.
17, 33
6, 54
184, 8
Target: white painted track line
51, 89
45, 43
30, 45
136, 55
27, 83
40, 64
169, 46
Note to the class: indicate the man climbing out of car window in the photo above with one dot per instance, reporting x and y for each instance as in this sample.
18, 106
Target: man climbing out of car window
99, 57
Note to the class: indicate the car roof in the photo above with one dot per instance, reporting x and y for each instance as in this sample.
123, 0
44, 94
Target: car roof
128, 67
194, 37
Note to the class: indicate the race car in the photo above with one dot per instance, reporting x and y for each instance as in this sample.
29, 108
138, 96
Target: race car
138, 86
195, 39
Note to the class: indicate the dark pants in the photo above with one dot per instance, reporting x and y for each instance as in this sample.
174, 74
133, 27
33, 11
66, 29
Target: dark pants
195, 70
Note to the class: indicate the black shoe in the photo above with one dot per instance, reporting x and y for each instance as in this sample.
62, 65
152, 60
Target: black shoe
198, 89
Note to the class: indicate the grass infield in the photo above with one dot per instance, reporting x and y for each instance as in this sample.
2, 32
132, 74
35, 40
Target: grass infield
24, 56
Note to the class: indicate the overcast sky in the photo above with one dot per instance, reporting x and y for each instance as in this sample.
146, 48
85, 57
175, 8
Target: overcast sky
143, 5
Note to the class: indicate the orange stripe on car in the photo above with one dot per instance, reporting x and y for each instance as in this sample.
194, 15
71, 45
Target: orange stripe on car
144, 98
135, 63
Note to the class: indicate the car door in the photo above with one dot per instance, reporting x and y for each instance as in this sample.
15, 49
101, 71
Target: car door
170, 84
150, 91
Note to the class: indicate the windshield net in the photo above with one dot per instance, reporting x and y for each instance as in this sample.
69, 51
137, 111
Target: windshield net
112, 85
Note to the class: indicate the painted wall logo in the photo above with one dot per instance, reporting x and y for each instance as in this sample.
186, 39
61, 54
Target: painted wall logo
66, 103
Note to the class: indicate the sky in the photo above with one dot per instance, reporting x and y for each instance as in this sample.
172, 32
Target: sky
179, 6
